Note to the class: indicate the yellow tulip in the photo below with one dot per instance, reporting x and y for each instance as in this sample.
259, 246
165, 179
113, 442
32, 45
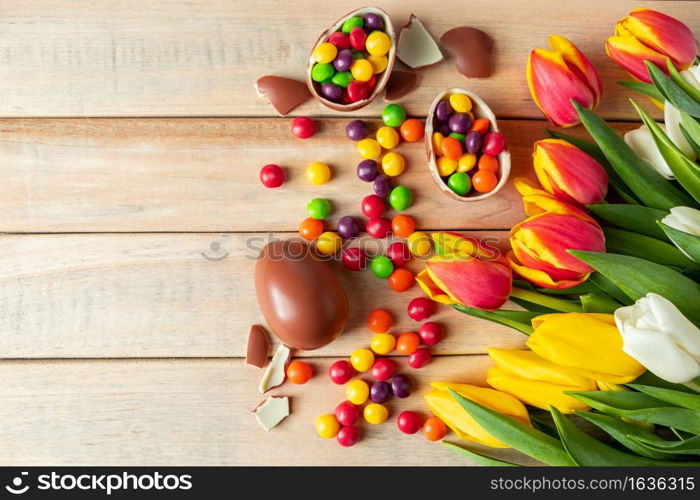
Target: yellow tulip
459, 420
588, 342
536, 381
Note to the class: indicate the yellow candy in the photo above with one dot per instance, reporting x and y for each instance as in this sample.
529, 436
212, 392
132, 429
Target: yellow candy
378, 43
379, 63
375, 413
466, 162
383, 343
361, 70
357, 392
324, 52
369, 149
437, 141
327, 426
460, 103
387, 137
328, 243
318, 173
361, 359
419, 244
446, 166
393, 164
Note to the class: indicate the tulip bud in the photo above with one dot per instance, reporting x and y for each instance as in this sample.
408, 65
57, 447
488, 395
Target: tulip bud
561, 74
568, 173
684, 219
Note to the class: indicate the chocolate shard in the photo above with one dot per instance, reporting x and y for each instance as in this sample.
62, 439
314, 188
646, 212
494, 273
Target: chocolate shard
284, 94
416, 47
401, 83
271, 412
258, 346
473, 51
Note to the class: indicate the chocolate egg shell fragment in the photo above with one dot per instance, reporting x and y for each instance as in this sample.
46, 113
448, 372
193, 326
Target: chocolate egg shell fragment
416, 48
401, 83
258, 346
473, 51
381, 78
303, 302
284, 94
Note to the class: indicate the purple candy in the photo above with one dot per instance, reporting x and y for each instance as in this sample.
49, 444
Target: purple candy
343, 60
443, 111
382, 185
460, 123
348, 227
401, 386
380, 392
473, 141
367, 170
373, 22
356, 129
331, 91
444, 129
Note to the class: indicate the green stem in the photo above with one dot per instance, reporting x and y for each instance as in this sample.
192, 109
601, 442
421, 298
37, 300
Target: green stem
545, 300
694, 384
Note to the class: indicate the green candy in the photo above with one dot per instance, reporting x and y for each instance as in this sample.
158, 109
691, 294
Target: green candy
318, 208
342, 79
400, 198
393, 115
460, 183
322, 71
351, 23
458, 136
356, 54
381, 266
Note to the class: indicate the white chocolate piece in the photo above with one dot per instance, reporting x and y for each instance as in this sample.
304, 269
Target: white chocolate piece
274, 371
272, 411
416, 47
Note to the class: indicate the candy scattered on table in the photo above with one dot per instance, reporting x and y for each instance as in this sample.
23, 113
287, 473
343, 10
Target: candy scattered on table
299, 372
420, 308
420, 358
400, 198
329, 243
431, 333
318, 173
356, 130
401, 280
407, 343
393, 115
357, 392
367, 170
354, 259
380, 392
327, 426
310, 228
303, 127
346, 413
434, 429
401, 386
348, 436
362, 359
349, 227
318, 208
383, 343
409, 422
380, 320
341, 372
376, 413
272, 176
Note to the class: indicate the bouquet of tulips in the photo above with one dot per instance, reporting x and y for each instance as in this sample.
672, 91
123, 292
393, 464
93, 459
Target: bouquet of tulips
608, 280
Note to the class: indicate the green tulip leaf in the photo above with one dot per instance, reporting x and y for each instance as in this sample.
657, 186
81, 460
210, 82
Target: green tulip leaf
649, 379
687, 242
647, 89
585, 287
476, 457
598, 303
588, 451
553, 303
691, 128
623, 242
691, 140
610, 288
676, 398
516, 434
690, 446
637, 277
623, 432
632, 217
678, 79
529, 306
519, 320
646, 183
687, 173
672, 92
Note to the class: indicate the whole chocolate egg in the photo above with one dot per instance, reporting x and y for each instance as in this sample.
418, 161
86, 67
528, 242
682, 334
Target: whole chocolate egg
302, 300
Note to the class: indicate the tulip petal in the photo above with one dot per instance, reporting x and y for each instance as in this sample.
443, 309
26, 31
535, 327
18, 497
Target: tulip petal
448, 242
541, 278
578, 63
684, 219
630, 53
425, 281
664, 34
642, 143
529, 365
490, 398
537, 201
672, 126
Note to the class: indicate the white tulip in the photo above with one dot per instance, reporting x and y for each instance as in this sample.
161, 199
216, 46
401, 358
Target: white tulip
684, 219
659, 337
642, 143
672, 120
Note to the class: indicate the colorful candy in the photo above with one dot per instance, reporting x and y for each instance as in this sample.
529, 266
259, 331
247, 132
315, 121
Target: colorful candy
402, 225
407, 343
340, 40
460, 103
376, 413
318, 208
327, 426
488, 163
446, 166
328, 243
272, 176
354, 259
401, 280
350, 23
484, 181
430, 333
361, 69
318, 173
373, 22
420, 358
369, 149
378, 43
357, 392
357, 91
388, 138
380, 320
434, 429
324, 52
358, 37
412, 130
381, 266
310, 228
303, 126
373, 206
393, 164
494, 143
459, 183
367, 170
409, 422
466, 162
299, 372
348, 436
382, 343
356, 130
380, 392
322, 72
393, 115
349, 227
420, 308
401, 386
378, 227
379, 63
346, 413
400, 197
362, 359
383, 369
382, 185
340, 372
398, 252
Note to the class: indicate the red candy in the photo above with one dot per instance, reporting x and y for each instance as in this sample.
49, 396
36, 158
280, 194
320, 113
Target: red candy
383, 369
420, 358
348, 436
340, 40
272, 176
303, 127
399, 253
357, 91
358, 37
378, 227
371, 83
494, 143
345, 97
346, 413
409, 422
373, 206
431, 333
341, 372
420, 308
354, 259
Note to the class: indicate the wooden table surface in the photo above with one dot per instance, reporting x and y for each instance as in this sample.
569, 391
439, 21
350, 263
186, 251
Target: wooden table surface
130, 141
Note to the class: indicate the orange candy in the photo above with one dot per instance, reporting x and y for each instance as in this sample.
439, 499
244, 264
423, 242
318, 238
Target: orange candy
488, 163
407, 343
434, 429
484, 181
310, 228
401, 280
480, 125
403, 225
451, 148
412, 130
298, 372
380, 320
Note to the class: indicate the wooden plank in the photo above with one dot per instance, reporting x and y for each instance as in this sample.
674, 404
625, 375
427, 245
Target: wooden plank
194, 58
196, 412
155, 295
87, 175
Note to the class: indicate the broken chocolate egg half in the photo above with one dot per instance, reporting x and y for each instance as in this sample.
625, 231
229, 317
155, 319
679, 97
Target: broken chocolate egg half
480, 110
382, 78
